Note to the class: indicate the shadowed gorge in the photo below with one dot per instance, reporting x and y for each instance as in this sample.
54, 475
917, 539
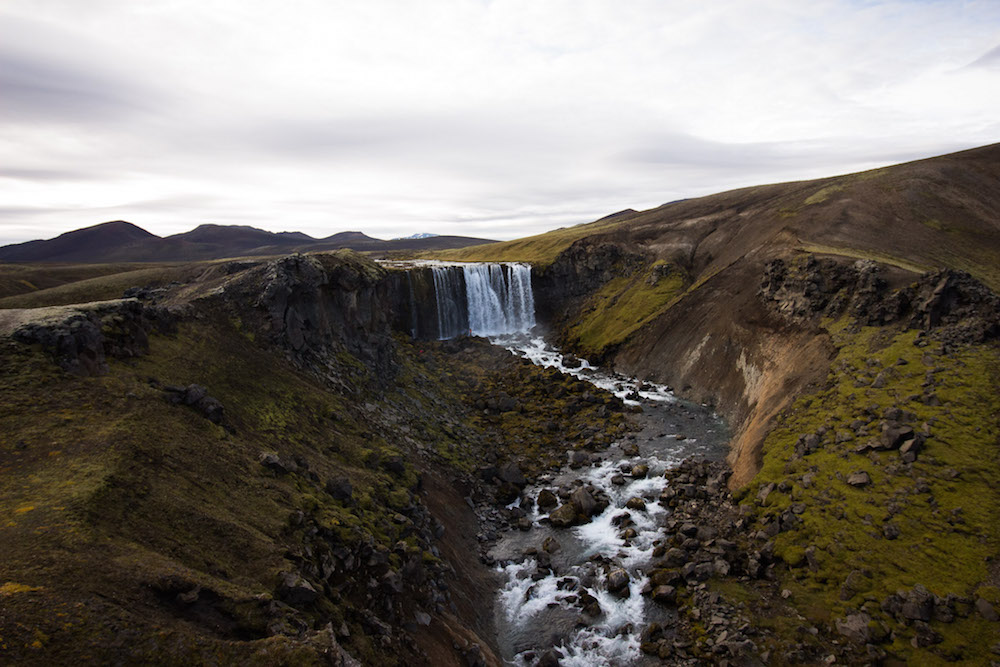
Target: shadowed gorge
319, 458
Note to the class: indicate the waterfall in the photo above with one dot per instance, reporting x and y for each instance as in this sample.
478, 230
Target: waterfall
449, 292
483, 299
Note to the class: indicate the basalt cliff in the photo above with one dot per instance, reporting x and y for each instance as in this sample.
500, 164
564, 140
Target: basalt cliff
277, 461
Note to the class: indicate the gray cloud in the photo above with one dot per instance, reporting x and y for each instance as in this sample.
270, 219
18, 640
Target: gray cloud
989, 60
51, 90
53, 175
483, 121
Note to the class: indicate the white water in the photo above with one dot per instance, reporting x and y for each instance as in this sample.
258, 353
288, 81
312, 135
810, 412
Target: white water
499, 297
483, 299
628, 389
536, 614
527, 604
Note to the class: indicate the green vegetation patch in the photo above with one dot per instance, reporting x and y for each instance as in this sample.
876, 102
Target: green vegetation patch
540, 250
622, 306
823, 194
931, 521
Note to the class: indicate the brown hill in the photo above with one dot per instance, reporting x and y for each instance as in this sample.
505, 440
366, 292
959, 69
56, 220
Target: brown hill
704, 329
76, 246
836, 325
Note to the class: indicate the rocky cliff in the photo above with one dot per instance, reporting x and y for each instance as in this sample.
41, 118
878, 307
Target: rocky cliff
259, 464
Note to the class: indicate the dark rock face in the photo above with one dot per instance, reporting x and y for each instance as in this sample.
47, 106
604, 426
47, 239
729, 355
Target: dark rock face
82, 340
578, 271
952, 301
317, 306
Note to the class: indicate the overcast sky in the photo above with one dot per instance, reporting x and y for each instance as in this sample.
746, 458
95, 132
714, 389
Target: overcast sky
496, 118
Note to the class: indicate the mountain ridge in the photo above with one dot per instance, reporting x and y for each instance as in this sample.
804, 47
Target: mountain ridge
122, 241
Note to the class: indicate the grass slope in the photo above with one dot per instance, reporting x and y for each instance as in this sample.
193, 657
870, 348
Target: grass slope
944, 504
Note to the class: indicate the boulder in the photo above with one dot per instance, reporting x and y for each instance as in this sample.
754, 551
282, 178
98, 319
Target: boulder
295, 590
636, 503
547, 499
986, 610
271, 461
765, 491
617, 580
511, 473
340, 488
675, 557
859, 479
551, 545
855, 627
918, 605
584, 502
895, 434
564, 516
395, 465
665, 594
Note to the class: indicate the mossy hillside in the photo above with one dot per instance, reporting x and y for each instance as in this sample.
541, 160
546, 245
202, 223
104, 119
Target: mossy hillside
83, 286
23, 278
117, 489
944, 504
540, 250
621, 307
122, 488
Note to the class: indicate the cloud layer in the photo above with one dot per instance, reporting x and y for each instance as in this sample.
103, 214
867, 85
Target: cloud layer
488, 118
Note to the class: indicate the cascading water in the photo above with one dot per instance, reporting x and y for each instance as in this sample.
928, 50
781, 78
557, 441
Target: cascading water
483, 299
449, 292
558, 596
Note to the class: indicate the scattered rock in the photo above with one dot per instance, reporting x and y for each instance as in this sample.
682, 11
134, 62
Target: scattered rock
859, 479
340, 488
636, 503
986, 610
617, 580
564, 516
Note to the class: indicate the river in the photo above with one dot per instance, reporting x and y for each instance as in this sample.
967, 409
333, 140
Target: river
576, 594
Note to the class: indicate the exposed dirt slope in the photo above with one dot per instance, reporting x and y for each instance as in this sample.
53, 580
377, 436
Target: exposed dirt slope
710, 336
827, 320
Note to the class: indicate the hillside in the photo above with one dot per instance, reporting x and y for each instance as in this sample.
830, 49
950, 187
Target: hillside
121, 241
202, 475
819, 316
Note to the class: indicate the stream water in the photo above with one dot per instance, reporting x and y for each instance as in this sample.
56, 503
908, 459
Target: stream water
562, 589
574, 593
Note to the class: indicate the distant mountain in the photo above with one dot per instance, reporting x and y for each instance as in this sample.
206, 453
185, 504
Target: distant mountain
121, 241
81, 244
419, 235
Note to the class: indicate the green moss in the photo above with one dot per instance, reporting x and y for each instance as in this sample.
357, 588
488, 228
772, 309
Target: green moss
944, 504
857, 253
540, 250
823, 194
622, 306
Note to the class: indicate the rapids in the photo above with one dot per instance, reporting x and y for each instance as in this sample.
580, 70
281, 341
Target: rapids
558, 599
